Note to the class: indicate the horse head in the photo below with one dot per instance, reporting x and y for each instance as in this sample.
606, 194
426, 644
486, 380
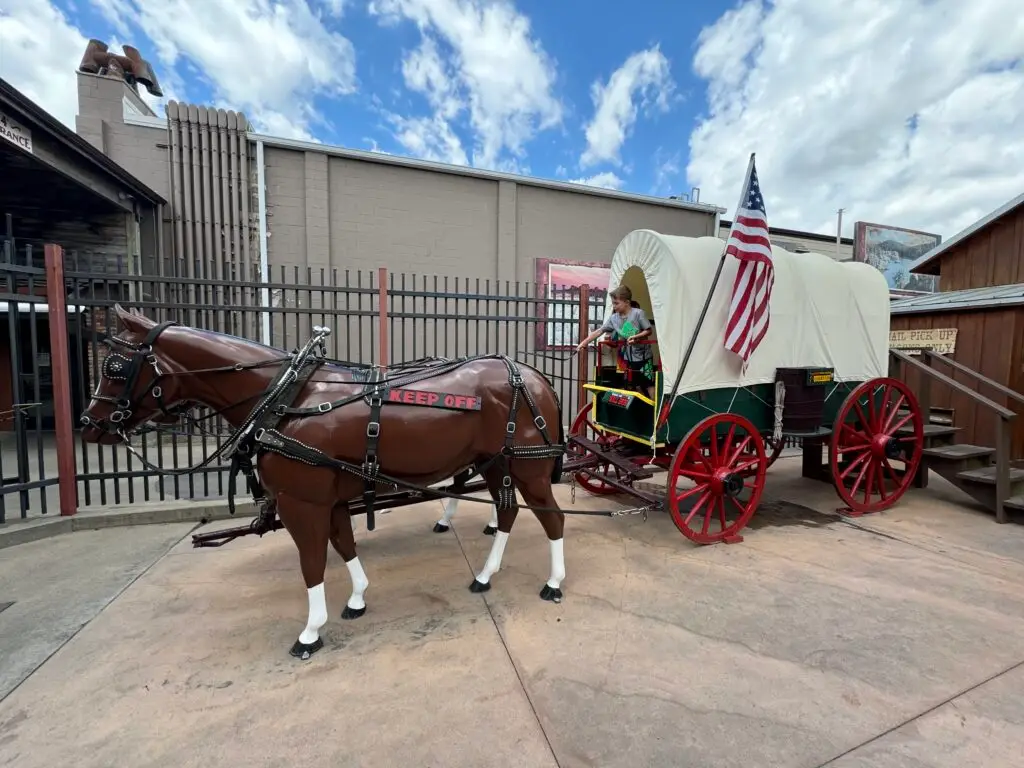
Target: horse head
137, 382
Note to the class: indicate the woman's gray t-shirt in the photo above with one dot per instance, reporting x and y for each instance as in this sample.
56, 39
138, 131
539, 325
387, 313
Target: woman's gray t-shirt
624, 326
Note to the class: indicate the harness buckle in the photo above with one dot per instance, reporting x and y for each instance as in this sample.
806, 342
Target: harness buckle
376, 400
506, 481
325, 407
279, 409
510, 428
157, 392
541, 424
373, 429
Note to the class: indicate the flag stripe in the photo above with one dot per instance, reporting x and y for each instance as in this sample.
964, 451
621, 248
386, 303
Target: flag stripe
749, 309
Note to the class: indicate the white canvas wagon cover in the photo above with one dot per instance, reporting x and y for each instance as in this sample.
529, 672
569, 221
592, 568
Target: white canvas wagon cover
823, 312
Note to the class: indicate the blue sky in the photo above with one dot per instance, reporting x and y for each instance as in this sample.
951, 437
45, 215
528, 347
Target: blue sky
903, 112
588, 41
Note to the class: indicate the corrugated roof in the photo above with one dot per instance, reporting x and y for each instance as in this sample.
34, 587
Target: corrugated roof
953, 301
927, 259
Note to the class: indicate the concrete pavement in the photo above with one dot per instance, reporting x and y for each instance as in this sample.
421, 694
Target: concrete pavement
893, 640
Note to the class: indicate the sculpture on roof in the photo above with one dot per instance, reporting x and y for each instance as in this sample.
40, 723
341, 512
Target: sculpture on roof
130, 67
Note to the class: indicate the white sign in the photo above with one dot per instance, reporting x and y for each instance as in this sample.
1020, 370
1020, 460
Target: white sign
15, 133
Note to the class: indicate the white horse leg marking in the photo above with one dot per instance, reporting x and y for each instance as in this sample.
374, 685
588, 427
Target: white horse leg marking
359, 584
493, 564
494, 517
451, 506
557, 564
317, 615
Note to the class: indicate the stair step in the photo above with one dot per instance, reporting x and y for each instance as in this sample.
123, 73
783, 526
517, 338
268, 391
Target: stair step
959, 451
987, 475
1015, 502
930, 430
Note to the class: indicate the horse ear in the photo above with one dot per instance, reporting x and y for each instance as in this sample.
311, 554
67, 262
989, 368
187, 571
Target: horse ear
131, 321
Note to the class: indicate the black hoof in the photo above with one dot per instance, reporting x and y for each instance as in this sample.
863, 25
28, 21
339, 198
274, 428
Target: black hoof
303, 650
551, 594
352, 613
438, 528
490, 530
477, 587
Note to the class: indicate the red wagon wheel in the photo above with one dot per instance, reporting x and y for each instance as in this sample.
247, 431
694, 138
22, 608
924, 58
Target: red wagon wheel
772, 449
880, 422
723, 456
583, 426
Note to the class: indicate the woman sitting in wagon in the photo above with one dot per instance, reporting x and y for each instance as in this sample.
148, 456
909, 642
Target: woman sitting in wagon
628, 323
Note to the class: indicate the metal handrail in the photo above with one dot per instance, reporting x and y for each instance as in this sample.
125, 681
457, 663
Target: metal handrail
1005, 415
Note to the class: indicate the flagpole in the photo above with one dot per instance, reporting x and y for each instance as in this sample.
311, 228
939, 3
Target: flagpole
707, 301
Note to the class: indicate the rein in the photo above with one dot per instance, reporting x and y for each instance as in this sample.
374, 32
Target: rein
127, 366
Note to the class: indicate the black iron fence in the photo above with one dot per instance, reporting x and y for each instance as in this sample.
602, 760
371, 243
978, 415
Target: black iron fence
27, 461
408, 317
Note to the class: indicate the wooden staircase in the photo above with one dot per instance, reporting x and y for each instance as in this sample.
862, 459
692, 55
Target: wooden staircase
985, 473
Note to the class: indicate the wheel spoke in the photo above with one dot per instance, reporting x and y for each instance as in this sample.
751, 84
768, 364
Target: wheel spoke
696, 507
739, 507
714, 447
906, 419
850, 467
892, 414
880, 480
863, 419
747, 465
689, 492
707, 518
860, 477
739, 449
721, 512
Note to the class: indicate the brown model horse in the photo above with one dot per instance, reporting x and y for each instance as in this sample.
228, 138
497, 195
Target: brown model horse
421, 445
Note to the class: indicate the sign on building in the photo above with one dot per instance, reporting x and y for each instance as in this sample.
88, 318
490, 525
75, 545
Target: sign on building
940, 340
15, 133
892, 251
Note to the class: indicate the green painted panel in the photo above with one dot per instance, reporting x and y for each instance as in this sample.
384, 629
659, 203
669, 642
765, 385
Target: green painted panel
756, 403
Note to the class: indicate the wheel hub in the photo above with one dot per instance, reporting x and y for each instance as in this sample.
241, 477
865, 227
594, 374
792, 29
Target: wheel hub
885, 446
726, 483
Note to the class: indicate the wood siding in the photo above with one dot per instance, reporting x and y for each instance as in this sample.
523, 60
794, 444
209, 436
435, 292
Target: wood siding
989, 257
990, 342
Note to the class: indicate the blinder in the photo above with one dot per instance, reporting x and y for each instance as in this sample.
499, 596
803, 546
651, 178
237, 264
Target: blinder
126, 366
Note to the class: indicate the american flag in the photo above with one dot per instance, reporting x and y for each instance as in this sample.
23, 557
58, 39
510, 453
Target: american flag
752, 291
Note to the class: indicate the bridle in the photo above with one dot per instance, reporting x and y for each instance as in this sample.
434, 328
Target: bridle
125, 363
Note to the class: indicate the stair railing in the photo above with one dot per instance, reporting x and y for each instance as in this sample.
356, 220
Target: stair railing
1003, 423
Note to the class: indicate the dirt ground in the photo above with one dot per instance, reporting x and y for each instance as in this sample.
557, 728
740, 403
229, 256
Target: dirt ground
894, 640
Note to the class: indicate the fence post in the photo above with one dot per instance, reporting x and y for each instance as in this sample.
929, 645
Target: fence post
382, 313
60, 358
583, 363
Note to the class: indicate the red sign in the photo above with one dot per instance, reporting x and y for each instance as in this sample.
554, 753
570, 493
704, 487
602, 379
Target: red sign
434, 399
620, 400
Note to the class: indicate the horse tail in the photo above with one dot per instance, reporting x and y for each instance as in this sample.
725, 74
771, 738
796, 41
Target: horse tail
556, 473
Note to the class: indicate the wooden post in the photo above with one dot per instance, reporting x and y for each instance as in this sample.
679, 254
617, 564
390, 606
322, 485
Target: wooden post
382, 311
60, 357
583, 364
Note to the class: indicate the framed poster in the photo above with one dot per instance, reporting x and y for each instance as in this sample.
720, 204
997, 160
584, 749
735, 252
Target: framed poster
892, 251
558, 313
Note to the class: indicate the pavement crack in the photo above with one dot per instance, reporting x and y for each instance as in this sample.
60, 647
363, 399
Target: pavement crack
919, 715
508, 653
72, 635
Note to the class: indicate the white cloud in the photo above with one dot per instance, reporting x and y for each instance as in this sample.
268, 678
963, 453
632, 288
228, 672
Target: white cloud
606, 179
494, 70
906, 112
644, 81
430, 138
267, 59
39, 54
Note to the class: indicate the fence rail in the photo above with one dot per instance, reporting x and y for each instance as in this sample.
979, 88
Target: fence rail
375, 317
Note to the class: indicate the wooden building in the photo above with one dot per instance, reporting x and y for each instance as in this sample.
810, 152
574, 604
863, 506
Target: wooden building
987, 253
990, 340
